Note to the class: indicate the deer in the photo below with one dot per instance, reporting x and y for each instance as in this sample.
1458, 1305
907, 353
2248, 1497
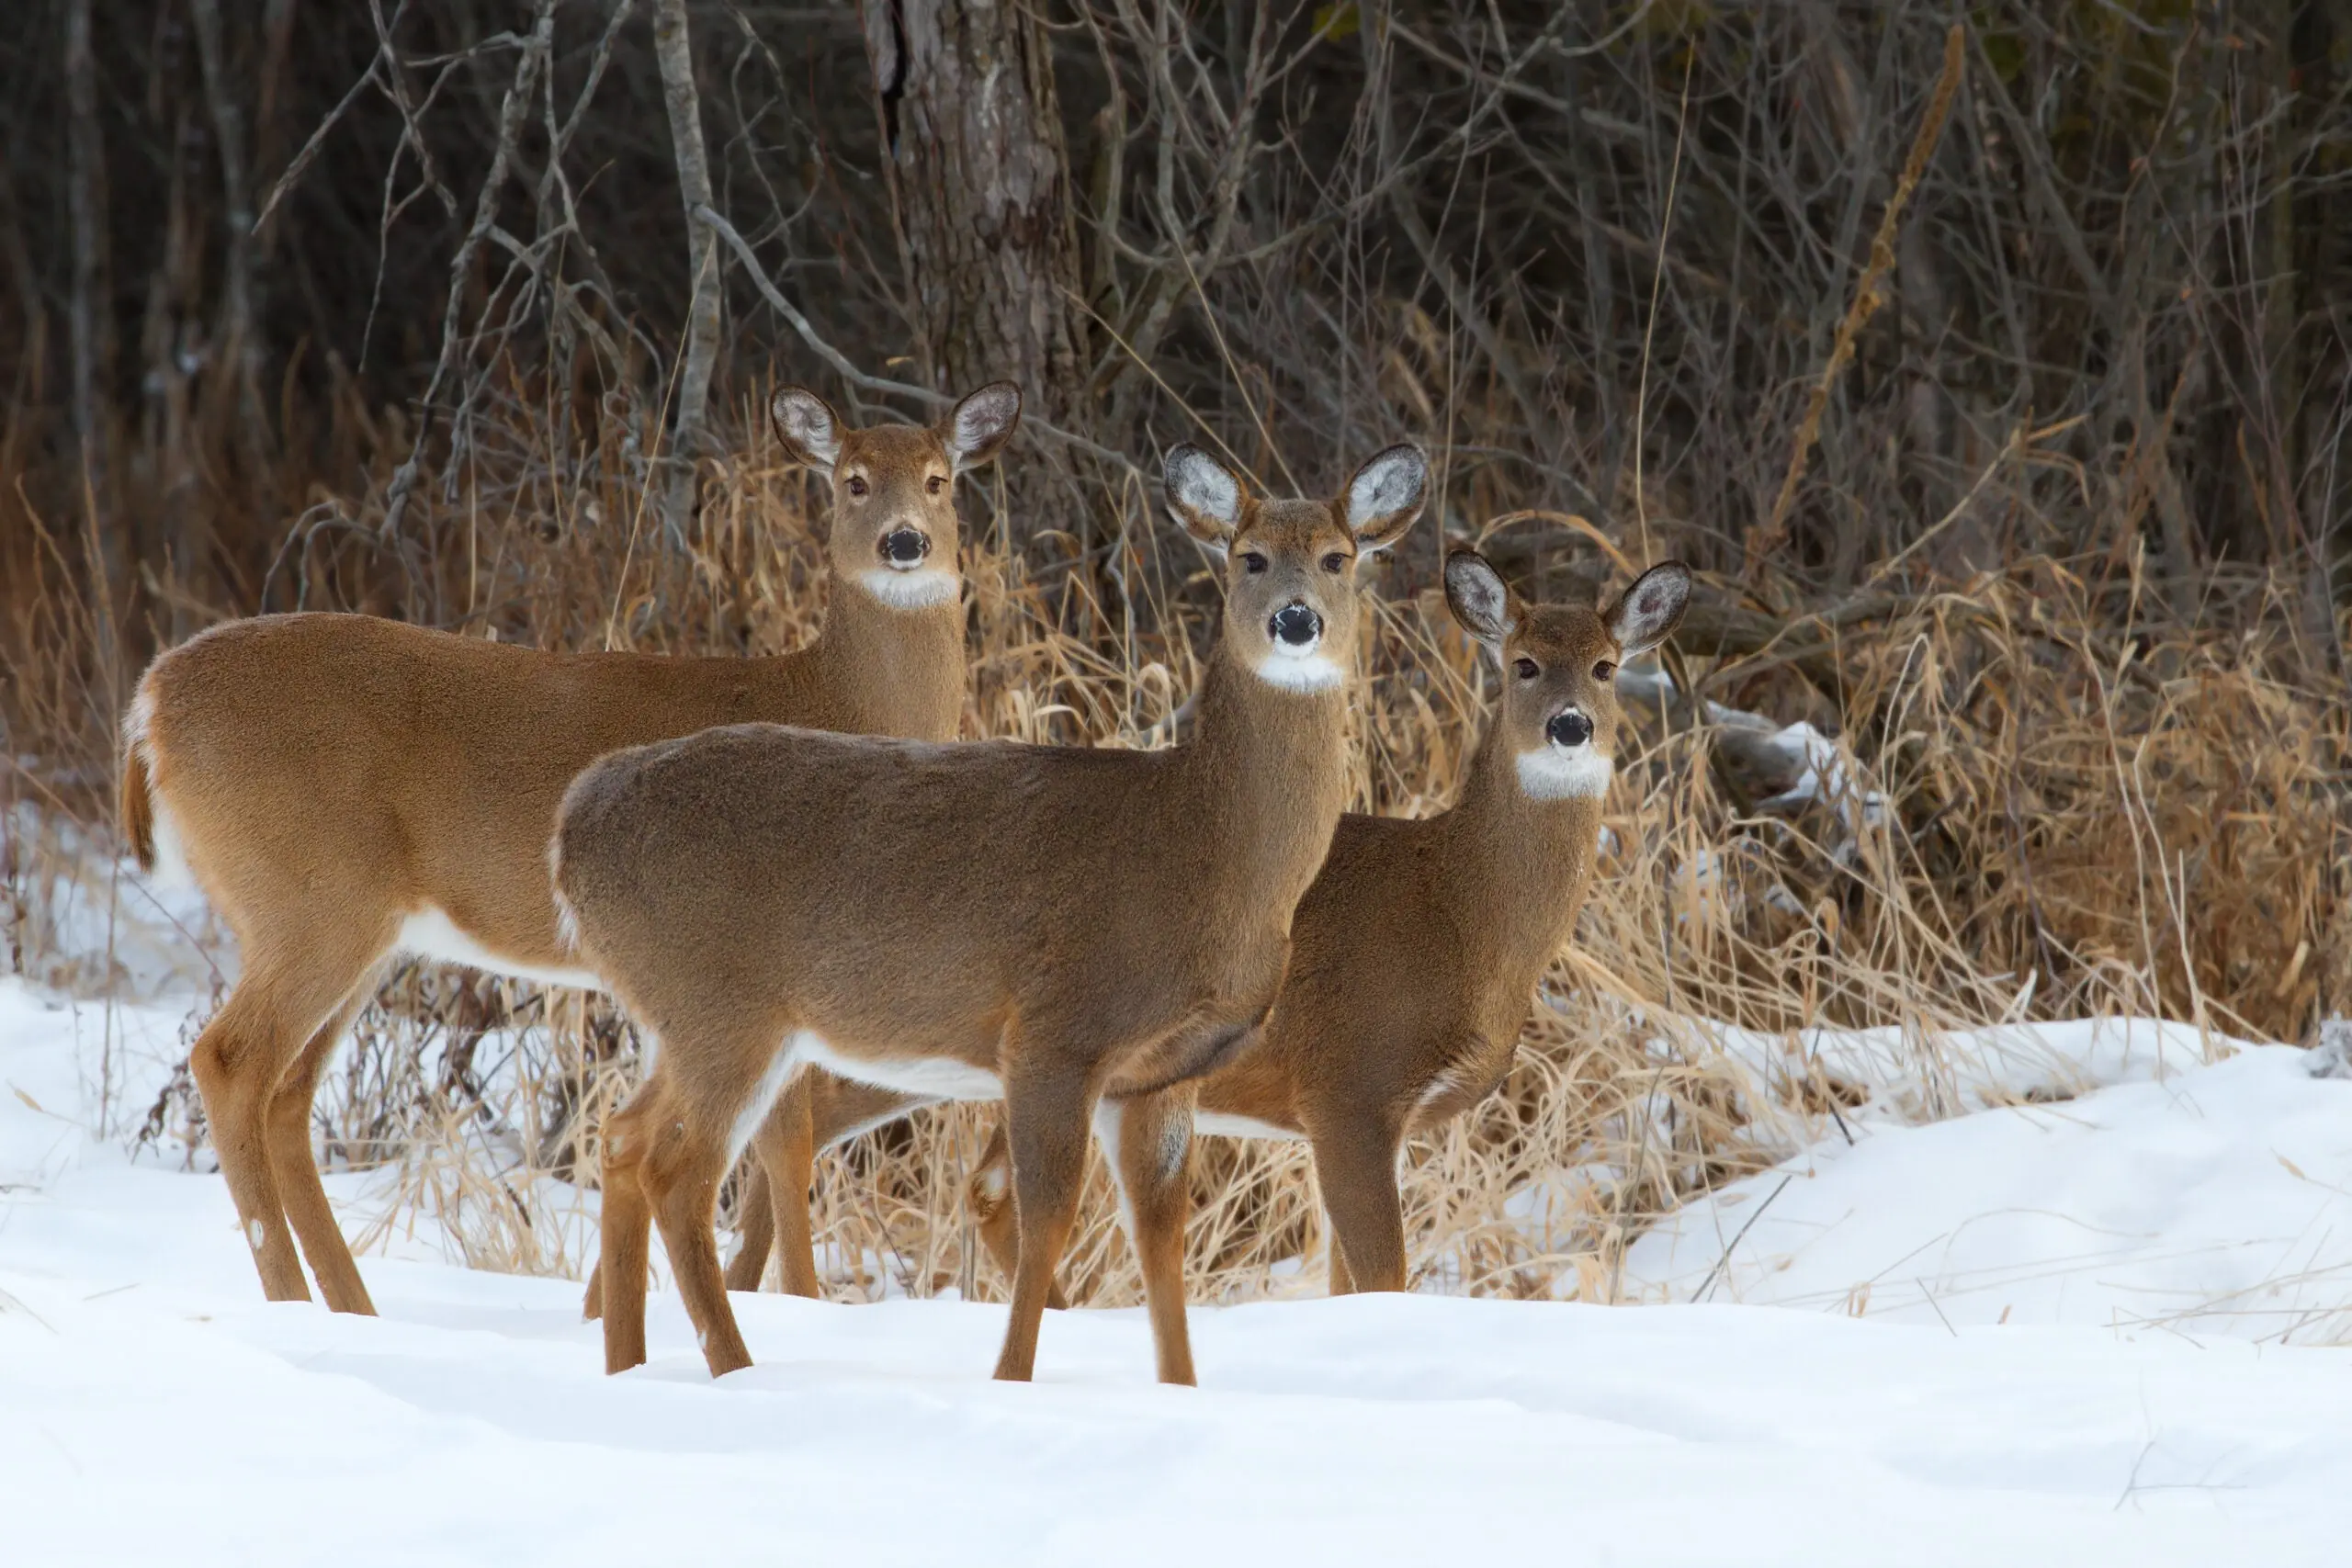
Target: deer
1413, 957
1047, 926
345, 788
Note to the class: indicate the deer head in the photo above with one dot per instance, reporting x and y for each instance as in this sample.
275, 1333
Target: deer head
894, 486
1559, 716
1289, 565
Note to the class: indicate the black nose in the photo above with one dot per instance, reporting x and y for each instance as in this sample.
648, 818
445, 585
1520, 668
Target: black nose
1296, 624
905, 546
1569, 728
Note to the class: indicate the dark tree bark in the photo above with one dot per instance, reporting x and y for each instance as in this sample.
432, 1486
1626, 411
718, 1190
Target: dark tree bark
980, 180
91, 321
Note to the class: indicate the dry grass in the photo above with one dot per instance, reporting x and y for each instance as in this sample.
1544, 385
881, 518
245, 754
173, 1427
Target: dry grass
2052, 797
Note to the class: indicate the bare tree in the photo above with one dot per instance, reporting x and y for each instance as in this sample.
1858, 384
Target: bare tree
972, 130
674, 48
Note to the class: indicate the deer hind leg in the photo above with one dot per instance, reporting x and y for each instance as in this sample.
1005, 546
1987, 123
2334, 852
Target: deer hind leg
1148, 1141
1045, 1111
988, 1191
617, 1286
1355, 1162
1343, 1282
297, 1170
787, 1147
289, 992
755, 1213
738, 1073
681, 1179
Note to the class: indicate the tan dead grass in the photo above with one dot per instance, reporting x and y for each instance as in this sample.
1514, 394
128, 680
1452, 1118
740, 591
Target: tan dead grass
2054, 798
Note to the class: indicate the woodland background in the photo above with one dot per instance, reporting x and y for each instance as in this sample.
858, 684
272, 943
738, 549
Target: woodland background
1990, 361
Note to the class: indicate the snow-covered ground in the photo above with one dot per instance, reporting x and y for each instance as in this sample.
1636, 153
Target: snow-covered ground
2144, 1401
2204, 1199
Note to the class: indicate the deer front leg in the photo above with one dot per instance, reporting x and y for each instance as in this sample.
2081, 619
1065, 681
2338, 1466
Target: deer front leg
1045, 1109
617, 1288
1355, 1163
1148, 1141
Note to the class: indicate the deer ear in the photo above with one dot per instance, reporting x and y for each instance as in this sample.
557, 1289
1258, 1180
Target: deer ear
1651, 608
1385, 496
977, 429
1479, 599
807, 426
1203, 495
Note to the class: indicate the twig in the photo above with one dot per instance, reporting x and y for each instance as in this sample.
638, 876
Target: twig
318, 138
847, 368
1709, 1282
1763, 541
511, 115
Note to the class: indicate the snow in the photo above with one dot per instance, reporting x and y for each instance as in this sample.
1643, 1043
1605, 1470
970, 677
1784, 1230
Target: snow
2216, 1200
153, 1408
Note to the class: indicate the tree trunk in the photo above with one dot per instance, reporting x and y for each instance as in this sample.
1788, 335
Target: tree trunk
91, 321
979, 177
674, 48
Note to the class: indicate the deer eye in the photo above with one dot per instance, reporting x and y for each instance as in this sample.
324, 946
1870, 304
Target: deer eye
856, 485
1527, 671
1603, 671
1254, 562
935, 484
1336, 562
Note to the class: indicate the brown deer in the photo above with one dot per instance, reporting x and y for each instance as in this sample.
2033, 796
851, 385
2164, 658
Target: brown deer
1045, 924
344, 788
1412, 956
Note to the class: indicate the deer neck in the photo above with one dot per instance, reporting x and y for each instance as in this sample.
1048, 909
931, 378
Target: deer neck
1525, 865
1265, 773
885, 671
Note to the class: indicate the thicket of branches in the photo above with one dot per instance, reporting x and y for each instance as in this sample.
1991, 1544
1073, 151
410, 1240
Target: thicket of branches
257, 256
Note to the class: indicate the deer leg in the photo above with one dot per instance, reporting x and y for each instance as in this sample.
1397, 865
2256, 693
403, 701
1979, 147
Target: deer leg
1356, 1164
787, 1147
297, 1171
989, 1193
1343, 1282
755, 1220
287, 992
617, 1288
680, 1177
1150, 1141
1045, 1109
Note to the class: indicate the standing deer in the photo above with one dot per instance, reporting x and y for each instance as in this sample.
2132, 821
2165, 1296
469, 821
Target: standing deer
1412, 956
1045, 924
344, 788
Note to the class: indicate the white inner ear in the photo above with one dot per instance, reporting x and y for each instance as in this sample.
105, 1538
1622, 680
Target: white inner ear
1483, 603
806, 423
1642, 619
1202, 484
1385, 488
978, 421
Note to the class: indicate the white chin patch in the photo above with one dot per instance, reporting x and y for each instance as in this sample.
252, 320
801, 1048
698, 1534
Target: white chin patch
911, 590
1564, 772
1300, 672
